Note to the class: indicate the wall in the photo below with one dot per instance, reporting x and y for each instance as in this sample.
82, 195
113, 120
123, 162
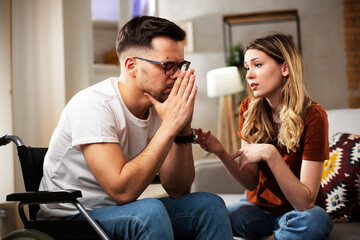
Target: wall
321, 36
38, 71
78, 45
38, 68
52, 59
6, 153
48, 48
351, 14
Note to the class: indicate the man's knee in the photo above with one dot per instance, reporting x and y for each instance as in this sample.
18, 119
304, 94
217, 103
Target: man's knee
153, 209
206, 200
151, 221
210, 205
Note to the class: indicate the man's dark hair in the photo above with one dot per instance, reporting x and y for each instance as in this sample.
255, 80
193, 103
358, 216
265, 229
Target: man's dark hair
140, 31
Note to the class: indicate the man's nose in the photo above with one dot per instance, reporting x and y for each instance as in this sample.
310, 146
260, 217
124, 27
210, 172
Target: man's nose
176, 74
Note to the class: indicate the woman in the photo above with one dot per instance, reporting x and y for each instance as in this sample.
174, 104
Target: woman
284, 136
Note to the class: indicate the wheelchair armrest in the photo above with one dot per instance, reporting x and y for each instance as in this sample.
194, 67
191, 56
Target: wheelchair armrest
58, 196
45, 196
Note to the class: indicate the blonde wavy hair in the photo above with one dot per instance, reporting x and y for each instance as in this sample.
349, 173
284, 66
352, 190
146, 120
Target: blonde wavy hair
295, 100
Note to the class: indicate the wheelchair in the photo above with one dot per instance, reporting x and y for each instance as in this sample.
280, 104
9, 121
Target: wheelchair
31, 161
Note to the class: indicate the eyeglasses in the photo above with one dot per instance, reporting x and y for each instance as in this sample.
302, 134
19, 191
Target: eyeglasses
169, 67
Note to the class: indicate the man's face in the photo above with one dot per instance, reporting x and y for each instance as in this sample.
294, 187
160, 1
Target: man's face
151, 77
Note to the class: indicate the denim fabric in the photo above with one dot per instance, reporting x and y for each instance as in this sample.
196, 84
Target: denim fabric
251, 222
193, 216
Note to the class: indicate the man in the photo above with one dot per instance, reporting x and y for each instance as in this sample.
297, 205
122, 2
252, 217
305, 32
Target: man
114, 137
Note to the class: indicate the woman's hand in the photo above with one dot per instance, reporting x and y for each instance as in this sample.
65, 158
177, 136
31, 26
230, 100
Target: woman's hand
208, 142
252, 153
249, 177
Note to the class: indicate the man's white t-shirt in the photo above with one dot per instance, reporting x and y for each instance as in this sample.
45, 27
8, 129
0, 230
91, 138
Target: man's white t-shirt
94, 115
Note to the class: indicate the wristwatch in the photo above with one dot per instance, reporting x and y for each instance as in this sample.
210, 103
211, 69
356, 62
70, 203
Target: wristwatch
186, 139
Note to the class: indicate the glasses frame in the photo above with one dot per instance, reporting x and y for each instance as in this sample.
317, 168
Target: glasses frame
165, 64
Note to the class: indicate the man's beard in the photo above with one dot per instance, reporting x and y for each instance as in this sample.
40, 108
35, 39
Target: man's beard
161, 97
157, 94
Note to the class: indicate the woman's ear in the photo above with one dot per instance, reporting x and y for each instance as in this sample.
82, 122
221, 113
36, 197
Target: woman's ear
130, 66
285, 69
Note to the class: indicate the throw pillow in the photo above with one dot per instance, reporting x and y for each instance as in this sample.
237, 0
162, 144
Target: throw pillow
341, 177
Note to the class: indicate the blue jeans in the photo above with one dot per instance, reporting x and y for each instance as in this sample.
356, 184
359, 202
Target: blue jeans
251, 222
193, 216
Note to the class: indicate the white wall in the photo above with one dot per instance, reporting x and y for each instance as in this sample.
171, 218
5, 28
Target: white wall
38, 71
52, 59
6, 153
321, 36
38, 68
49, 51
78, 45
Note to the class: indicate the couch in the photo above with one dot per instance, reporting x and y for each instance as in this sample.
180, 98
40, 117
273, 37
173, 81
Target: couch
212, 177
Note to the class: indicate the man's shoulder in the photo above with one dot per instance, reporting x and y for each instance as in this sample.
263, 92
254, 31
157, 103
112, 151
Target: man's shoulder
99, 92
103, 88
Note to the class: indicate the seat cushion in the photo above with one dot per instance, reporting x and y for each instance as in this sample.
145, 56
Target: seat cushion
345, 231
230, 199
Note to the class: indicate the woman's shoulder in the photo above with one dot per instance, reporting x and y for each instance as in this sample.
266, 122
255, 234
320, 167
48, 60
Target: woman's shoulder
316, 108
245, 104
315, 111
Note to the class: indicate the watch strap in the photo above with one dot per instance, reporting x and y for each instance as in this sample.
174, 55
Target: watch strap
186, 139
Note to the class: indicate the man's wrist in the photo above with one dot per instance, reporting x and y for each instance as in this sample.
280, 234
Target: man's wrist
185, 131
186, 138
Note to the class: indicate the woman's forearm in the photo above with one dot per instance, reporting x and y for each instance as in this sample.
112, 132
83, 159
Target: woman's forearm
297, 193
248, 177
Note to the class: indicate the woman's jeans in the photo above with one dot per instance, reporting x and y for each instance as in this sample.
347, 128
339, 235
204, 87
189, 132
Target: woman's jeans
251, 222
193, 216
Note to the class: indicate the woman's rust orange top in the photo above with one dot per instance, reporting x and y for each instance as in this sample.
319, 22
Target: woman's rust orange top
314, 146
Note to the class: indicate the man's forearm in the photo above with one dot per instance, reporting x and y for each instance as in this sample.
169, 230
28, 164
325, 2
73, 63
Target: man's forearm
177, 172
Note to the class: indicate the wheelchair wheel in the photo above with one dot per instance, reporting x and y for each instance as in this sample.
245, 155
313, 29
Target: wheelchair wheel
27, 234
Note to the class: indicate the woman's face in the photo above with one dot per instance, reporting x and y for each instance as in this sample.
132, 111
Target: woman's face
264, 75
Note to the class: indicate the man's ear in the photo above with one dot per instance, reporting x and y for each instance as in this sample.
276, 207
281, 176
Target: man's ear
284, 69
130, 66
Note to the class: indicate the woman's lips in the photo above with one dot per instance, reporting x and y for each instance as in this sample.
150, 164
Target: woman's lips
253, 86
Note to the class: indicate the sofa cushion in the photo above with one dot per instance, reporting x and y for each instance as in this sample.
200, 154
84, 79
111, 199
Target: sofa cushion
343, 120
211, 176
341, 177
345, 231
